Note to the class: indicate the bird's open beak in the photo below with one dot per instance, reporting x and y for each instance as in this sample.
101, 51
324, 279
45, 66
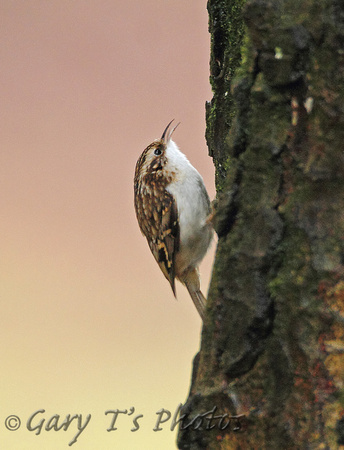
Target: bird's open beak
166, 135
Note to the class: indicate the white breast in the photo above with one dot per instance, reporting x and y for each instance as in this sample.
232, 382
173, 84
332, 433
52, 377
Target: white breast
193, 208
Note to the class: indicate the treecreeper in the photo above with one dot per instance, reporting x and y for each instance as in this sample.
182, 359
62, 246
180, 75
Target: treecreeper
173, 211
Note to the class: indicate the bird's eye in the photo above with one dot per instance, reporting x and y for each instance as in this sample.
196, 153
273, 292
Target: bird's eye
157, 151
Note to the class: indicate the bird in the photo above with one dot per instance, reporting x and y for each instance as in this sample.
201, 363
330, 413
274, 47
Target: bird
173, 211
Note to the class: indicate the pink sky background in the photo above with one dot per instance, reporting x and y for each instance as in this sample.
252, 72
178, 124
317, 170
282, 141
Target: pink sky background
88, 321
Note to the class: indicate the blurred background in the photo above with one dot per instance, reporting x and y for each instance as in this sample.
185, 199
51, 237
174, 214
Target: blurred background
89, 323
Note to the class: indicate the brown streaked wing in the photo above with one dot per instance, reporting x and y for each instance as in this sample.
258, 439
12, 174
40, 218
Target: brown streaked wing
161, 227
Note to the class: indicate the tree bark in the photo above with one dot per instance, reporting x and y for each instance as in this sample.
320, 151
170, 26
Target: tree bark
272, 349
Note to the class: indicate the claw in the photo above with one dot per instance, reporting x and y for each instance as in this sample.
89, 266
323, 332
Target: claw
211, 216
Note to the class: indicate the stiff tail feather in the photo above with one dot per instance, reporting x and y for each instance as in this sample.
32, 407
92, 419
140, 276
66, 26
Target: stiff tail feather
191, 281
199, 301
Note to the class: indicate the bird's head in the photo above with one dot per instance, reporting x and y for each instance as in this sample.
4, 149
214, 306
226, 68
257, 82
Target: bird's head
156, 156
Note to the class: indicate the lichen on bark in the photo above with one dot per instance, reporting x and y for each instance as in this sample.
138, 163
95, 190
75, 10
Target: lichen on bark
272, 348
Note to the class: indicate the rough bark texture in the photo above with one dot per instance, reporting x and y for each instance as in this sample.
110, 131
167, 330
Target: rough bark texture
273, 347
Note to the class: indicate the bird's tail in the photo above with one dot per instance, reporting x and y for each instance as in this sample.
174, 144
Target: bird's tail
192, 283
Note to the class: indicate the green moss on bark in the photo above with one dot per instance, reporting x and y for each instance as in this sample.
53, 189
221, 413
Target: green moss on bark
227, 29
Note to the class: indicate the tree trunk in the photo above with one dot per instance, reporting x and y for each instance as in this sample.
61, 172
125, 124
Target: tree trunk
272, 350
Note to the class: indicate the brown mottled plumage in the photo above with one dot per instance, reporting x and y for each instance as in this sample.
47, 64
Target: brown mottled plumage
158, 215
